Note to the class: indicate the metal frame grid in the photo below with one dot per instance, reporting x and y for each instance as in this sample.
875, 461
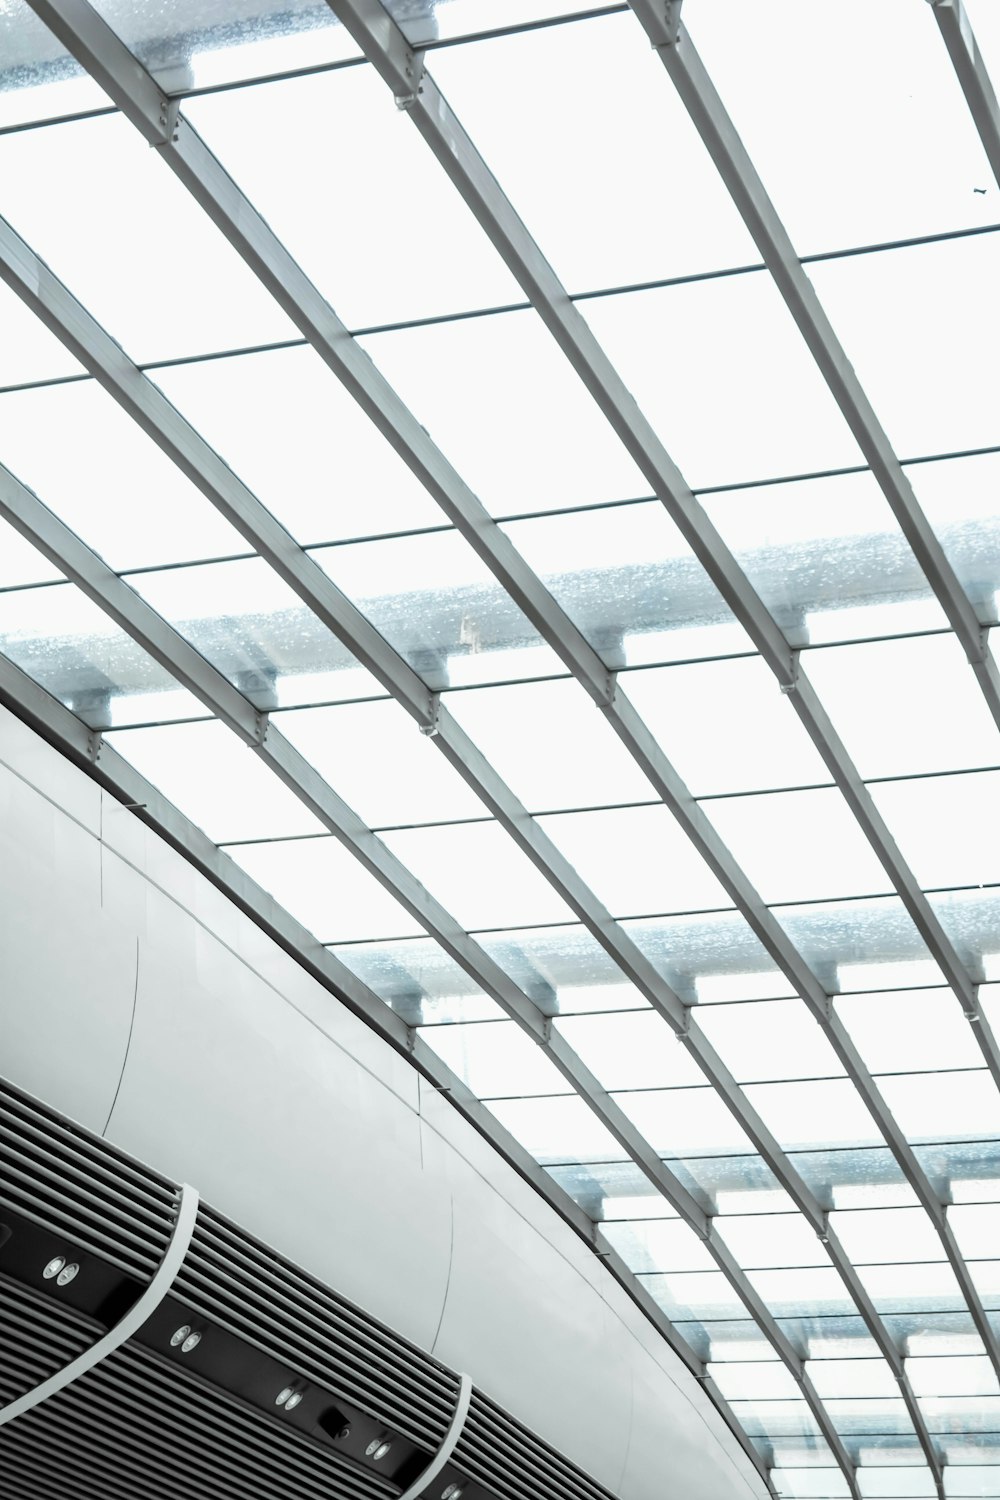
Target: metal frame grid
156, 115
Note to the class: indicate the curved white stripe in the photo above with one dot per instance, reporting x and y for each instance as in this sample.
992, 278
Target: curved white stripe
180, 1239
447, 1448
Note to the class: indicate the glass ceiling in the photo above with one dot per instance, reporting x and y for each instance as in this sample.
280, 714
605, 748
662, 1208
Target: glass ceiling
311, 444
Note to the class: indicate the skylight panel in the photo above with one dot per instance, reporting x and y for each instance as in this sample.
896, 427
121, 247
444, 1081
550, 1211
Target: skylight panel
944, 1106
909, 1030
904, 160
720, 370
496, 1059
828, 1112
631, 1050
134, 227
441, 608
420, 982
768, 1241
29, 351
39, 80
550, 745
768, 1040
216, 780
943, 827
563, 969
685, 1122
77, 653
107, 480
558, 1129
961, 499
20, 562
300, 442
375, 757
651, 1245
886, 1235
325, 888
595, 186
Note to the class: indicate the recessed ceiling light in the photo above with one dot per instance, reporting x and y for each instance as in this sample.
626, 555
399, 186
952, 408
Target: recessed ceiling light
283, 1395
293, 1400
54, 1266
378, 1448
67, 1274
191, 1342
180, 1335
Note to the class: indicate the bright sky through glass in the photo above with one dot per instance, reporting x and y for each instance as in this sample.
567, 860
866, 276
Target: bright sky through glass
795, 866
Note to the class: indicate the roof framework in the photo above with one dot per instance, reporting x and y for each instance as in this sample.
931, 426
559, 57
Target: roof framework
139, 97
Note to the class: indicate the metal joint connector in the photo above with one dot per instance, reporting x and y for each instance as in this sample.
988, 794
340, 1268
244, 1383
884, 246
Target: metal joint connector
169, 122
792, 687
823, 1234
662, 20
544, 1037
414, 71
95, 743
261, 725
434, 727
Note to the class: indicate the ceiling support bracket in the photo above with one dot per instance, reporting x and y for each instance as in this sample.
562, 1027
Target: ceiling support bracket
148, 1302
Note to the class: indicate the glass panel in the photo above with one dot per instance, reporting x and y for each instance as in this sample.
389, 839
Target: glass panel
684, 1122
29, 351
256, 631
550, 746
100, 175
217, 781
810, 1484
860, 945
854, 1179
764, 1381
631, 1050
906, 707
475, 383
741, 1184
589, 183
698, 1294
959, 496
764, 1241
961, 1480
934, 1334
886, 1234
419, 981
39, 79
636, 860
871, 301
507, 890
826, 1112
730, 1342
953, 1377
775, 1418
93, 474
900, 1484
986, 1275
563, 969
963, 1171
968, 1414
331, 475
326, 889
859, 1378
909, 1031
77, 653
554, 1130
830, 1337
375, 757
977, 1228
773, 1039
659, 1245
798, 846
440, 607
495, 1059
930, 1106
692, 710
939, 825
776, 412
910, 1288
630, 583
709, 958
342, 128
21, 563
827, 557
904, 164
971, 920
612, 1190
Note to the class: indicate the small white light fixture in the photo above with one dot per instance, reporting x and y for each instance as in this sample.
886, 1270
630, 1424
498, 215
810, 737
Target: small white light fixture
180, 1335
283, 1395
191, 1342
54, 1266
451, 1492
293, 1400
378, 1448
67, 1274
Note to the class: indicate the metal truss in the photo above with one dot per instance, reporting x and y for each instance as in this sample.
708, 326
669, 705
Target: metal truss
139, 97
83, 746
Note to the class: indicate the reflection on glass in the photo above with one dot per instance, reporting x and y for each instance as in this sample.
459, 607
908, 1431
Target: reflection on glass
79, 655
421, 983
827, 557
39, 80
440, 607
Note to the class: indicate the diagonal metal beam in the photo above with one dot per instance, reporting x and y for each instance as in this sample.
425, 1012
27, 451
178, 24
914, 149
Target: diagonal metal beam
972, 73
47, 716
138, 95
403, 70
